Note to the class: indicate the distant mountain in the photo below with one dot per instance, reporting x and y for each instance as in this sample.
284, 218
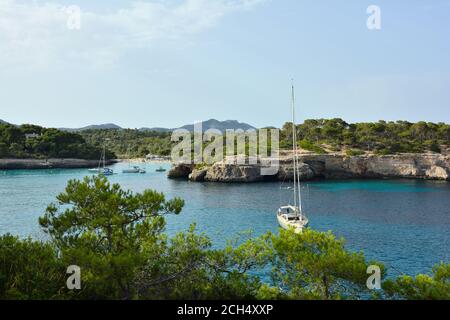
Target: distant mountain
209, 124
93, 127
206, 125
3, 122
156, 129
220, 125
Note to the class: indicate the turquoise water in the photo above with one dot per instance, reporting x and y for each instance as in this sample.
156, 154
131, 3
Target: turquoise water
405, 224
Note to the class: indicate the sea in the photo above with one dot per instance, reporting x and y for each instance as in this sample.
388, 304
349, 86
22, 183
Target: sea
403, 223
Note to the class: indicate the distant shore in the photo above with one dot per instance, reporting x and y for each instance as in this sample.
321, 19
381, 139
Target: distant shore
31, 164
146, 160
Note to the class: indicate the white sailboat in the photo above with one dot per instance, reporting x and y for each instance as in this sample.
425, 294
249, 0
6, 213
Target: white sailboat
292, 216
102, 169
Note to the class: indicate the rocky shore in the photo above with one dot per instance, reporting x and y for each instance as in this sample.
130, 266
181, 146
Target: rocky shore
313, 166
10, 164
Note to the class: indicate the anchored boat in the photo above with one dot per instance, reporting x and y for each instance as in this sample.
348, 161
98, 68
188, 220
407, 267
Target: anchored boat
292, 216
133, 169
102, 169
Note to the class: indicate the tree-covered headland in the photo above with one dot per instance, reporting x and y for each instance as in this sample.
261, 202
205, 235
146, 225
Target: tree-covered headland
377, 137
30, 141
118, 240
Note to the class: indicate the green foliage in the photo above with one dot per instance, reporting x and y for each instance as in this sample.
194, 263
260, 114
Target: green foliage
422, 287
117, 239
106, 231
187, 268
44, 143
379, 137
316, 265
308, 145
131, 143
29, 269
354, 152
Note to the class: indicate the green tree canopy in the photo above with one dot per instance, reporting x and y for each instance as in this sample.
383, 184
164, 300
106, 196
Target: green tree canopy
31, 141
107, 231
316, 265
422, 287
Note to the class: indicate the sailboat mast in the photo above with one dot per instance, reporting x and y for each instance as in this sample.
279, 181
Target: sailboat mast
294, 145
297, 189
104, 154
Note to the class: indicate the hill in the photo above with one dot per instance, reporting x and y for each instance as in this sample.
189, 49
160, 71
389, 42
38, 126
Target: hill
157, 129
105, 126
206, 125
220, 125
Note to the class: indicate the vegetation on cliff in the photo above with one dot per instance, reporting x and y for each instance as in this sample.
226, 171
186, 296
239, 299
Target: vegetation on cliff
30, 141
319, 136
379, 137
117, 239
129, 143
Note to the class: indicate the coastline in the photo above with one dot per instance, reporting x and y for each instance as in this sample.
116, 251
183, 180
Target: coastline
34, 164
144, 160
424, 166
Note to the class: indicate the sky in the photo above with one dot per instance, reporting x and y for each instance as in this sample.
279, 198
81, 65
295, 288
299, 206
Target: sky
167, 63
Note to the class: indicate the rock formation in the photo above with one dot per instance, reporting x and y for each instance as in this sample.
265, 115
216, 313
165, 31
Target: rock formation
180, 171
410, 166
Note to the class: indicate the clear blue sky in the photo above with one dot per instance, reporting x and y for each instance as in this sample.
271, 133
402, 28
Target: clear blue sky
168, 63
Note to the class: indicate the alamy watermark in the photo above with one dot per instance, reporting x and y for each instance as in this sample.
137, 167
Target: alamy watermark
235, 147
374, 280
374, 19
74, 280
73, 17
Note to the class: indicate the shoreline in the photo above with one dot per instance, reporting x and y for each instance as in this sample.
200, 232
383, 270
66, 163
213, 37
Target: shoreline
424, 166
69, 163
51, 163
144, 160
311, 167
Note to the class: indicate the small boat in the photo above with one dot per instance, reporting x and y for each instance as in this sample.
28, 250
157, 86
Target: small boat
102, 169
292, 216
142, 171
133, 169
160, 169
107, 172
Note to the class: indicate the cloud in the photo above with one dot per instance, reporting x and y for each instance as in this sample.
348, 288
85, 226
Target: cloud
36, 34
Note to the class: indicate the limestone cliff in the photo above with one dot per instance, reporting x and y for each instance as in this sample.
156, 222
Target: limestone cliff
411, 166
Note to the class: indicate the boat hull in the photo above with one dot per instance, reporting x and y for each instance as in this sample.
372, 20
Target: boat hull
297, 226
130, 171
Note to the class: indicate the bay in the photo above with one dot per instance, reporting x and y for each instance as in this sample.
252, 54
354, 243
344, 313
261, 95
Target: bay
403, 223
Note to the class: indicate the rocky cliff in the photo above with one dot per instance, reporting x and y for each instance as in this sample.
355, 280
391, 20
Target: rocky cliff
410, 166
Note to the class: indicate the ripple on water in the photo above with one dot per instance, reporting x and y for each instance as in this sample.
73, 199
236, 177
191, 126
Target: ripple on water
405, 224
